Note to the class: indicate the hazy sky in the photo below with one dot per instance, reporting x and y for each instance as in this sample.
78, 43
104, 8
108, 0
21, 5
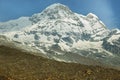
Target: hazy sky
107, 10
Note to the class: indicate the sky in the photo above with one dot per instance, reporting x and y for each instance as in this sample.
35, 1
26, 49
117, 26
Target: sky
107, 10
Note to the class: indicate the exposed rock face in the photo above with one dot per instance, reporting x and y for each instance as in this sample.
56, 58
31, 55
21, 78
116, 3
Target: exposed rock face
112, 42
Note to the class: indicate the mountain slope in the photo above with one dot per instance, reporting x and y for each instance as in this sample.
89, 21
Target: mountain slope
15, 25
63, 35
112, 42
17, 65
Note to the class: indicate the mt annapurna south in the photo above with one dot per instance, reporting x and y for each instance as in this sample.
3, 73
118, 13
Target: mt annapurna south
60, 34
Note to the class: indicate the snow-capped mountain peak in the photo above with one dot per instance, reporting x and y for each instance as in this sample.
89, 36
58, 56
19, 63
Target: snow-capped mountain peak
57, 21
55, 11
115, 31
57, 31
57, 6
91, 15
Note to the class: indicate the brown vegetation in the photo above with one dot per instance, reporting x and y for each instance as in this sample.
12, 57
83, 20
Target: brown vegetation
17, 65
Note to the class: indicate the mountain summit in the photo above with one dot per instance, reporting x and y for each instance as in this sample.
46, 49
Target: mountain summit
63, 35
55, 11
57, 6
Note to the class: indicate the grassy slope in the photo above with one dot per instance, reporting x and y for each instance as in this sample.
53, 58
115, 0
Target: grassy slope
17, 65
